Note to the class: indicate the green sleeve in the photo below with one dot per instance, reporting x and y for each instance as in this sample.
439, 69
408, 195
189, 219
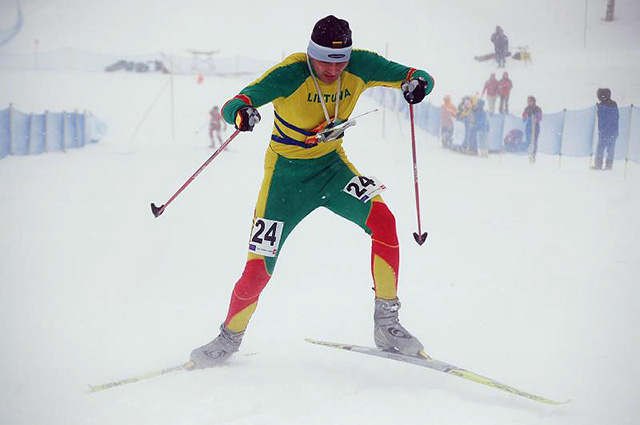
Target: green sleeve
280, 81
378, 71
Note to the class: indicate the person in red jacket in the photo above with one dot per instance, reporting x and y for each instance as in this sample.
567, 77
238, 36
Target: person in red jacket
504, 89
491, 88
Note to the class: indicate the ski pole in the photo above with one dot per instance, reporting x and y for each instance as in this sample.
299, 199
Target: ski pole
187, 366
159, 210
418, 236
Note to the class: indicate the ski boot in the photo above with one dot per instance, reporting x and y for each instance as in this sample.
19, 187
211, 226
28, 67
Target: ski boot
389, 334
217, 351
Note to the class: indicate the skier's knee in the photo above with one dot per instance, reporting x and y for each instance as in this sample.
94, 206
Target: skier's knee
382, 224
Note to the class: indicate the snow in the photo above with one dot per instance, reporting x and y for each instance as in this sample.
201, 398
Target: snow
529, 274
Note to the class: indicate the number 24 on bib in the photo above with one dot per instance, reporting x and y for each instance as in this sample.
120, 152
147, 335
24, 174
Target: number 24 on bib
265, 237
364, 188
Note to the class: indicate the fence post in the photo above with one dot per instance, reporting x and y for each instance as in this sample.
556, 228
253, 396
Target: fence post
77, 125
564, 120
626, 160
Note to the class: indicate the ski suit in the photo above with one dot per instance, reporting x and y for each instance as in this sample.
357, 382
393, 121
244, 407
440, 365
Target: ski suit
300, 177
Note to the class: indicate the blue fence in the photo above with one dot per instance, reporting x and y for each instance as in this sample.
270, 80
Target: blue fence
32, 134
567, 133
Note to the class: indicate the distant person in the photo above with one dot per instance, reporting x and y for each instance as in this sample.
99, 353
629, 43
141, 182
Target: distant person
215, 126
532, 116
465, 114
504, 89
481, 128
448, 112
501, 46
608, 118
491, 89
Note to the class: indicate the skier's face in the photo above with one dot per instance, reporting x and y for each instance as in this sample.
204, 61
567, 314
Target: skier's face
328, 72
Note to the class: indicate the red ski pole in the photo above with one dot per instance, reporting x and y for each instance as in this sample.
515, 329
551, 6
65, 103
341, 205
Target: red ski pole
418, 236
159, 210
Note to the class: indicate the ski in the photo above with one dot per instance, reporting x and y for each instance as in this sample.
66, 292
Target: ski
149, 375
138, 378
438, 365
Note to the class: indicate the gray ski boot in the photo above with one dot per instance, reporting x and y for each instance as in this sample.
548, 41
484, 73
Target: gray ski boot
389, 334
217, 351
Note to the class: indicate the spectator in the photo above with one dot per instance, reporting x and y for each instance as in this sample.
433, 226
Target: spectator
608, 117
504, 88
501, 45
215, 126
465, 115
448, 111
532, 116
491, 88
481, 128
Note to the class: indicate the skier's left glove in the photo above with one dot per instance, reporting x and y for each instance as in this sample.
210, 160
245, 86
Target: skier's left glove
246, 118
414, 90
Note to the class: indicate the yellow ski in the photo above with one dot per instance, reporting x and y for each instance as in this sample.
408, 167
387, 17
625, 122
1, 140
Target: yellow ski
94, 388
438, 365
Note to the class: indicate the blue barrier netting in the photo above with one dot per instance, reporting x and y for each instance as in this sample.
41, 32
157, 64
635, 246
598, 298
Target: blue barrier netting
568, 133
32, 134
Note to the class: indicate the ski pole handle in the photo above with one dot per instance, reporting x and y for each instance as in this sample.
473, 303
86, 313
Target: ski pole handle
157, 211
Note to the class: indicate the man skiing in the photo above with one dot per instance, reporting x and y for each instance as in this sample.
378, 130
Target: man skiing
311, 92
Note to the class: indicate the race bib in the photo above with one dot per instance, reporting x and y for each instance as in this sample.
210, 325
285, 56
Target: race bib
265, 237
364, 188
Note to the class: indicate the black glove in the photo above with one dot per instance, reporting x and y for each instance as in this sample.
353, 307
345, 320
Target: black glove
246, 118
414, 90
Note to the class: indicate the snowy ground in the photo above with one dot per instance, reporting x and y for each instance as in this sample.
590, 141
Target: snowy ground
529, 274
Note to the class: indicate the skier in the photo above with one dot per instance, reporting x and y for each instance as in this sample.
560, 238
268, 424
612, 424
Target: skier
532, 115
608, 118
215, 126
309, 92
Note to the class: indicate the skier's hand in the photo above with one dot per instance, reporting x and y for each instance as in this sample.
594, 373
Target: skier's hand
246, 118
414, 90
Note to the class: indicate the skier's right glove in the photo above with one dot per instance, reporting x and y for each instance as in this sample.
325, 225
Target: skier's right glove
246, 118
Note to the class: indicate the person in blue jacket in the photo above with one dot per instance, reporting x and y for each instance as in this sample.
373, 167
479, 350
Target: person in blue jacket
481, 127
608, 117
